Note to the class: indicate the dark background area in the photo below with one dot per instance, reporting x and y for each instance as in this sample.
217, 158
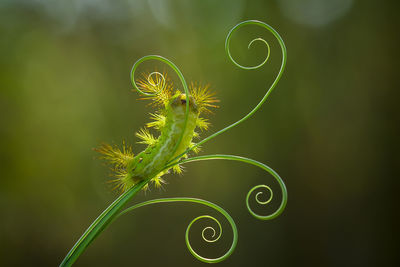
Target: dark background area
329, 129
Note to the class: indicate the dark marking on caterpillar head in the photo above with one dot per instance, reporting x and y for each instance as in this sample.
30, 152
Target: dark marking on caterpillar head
180, 100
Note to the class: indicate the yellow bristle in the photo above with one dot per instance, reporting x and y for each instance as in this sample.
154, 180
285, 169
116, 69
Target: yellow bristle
158, 85
202, 123
177, 169
203, 96
146, 137
196, 149
158, 121
158, 181
115, 155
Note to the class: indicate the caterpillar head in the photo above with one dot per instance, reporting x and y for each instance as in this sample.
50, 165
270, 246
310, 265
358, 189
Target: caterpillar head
179, 101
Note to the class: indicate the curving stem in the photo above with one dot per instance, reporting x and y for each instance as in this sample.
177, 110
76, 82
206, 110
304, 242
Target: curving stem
260, 165
274, 83
206, 203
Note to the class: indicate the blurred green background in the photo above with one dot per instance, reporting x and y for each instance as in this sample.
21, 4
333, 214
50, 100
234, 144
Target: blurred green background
329, 129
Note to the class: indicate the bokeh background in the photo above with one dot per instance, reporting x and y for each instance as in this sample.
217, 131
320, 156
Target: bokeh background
329, 129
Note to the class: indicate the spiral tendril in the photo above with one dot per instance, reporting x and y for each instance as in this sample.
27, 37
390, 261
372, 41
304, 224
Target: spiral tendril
114, 210
260, 193
258, 200
162, 81
274, 83
278, 179
248, 47
187, 241
210, 228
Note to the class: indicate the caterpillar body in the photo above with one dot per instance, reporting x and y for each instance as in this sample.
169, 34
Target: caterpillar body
175, 137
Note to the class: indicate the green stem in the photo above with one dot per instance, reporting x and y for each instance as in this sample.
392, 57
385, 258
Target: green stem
100, 224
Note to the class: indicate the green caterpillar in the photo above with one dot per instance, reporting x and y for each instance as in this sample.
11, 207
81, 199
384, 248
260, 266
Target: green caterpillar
176, 132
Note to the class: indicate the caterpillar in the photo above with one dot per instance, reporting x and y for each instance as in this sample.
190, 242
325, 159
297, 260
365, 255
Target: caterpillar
177, 132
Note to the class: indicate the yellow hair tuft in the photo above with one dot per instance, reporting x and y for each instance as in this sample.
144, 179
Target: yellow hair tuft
114, 155
158, 85
158, 121
178, 169
146, 137
202, 123
204, 97
196, 149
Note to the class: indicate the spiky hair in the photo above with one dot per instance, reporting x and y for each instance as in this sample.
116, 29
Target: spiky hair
160, 89
158, 86
204, 97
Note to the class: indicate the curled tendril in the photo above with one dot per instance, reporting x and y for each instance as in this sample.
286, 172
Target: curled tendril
162, 81
282, 186
203, 235
189, 246
258, 200
248, 47
114, 210
260, 193
270, 89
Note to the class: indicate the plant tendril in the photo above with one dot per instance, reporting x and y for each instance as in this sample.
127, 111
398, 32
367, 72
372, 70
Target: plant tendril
213, 231
248, 47
189, 246
260, 193
282, 186
155, 85
274, 83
